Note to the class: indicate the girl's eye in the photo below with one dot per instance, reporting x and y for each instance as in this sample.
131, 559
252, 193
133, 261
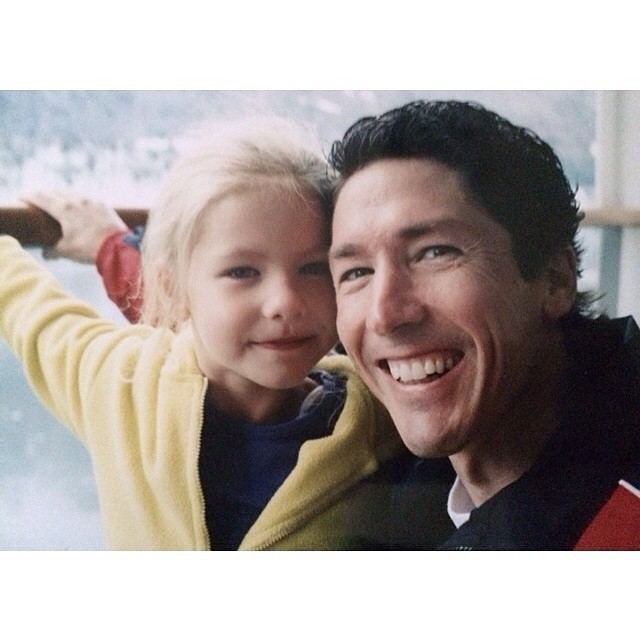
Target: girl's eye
319, 268
239, 273
437, 251
355, 273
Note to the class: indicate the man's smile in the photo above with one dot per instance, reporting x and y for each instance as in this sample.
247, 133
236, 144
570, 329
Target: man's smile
425, 368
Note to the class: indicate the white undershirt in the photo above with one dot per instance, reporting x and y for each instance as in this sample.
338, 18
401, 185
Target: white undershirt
459, 504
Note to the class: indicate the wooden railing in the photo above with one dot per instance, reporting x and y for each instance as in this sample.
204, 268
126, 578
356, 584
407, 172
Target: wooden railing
36, 228
612, 216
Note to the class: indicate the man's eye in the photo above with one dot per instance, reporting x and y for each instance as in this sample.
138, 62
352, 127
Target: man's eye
437, 251
320, 268
240, 273
355, 273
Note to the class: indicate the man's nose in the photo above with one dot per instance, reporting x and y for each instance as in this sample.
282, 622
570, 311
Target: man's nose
394, 302
284, 300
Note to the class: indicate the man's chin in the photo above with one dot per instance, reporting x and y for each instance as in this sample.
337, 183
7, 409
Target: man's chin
426, 442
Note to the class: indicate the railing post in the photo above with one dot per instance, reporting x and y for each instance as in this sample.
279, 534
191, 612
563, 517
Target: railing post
609, 268
617, 163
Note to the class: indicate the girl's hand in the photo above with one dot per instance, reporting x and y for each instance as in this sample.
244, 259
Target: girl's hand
85, 224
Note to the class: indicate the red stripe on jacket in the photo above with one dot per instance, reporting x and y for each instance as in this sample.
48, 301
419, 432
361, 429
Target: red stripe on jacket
616, 526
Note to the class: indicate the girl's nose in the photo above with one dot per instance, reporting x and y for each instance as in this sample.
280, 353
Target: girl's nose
284, 300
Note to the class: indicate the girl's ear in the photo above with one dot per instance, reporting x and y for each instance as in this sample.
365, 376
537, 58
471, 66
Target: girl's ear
561, 284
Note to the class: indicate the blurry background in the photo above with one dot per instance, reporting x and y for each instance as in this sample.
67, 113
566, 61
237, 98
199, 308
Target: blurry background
117, 145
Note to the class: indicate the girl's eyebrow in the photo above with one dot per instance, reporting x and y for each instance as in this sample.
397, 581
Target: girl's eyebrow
236, 254
245, 253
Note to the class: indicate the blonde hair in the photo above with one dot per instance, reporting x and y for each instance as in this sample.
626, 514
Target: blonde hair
227, 158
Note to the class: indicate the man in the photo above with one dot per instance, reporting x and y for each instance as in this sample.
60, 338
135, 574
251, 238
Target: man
455, 261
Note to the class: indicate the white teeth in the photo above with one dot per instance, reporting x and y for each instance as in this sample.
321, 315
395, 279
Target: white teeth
417, 370
414, 370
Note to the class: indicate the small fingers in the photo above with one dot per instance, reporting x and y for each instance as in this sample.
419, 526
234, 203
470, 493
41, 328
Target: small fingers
39, 200
51, 202
58, 204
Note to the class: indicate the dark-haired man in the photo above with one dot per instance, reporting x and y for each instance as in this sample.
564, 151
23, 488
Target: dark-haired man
455, 264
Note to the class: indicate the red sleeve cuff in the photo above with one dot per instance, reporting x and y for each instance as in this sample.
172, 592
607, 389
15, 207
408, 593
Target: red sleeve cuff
119, 265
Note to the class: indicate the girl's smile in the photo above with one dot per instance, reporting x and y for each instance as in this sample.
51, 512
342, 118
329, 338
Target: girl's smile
260, 295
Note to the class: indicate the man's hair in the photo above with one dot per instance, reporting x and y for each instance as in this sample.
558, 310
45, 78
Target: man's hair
508, 170
228, 158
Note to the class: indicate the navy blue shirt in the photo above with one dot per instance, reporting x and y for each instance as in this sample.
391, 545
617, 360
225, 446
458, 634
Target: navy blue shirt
242, 464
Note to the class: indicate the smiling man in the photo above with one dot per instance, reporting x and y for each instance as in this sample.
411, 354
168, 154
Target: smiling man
455, 262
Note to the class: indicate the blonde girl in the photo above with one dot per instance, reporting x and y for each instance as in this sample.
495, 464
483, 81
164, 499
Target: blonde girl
208, 425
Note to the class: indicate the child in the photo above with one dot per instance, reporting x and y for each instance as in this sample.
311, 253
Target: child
208, 430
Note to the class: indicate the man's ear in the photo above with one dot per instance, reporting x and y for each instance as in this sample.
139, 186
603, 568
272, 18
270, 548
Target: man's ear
561, 283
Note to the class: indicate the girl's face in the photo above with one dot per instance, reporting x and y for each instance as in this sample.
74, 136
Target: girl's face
259, 291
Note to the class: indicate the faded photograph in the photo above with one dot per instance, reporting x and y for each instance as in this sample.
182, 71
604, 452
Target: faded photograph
344, 477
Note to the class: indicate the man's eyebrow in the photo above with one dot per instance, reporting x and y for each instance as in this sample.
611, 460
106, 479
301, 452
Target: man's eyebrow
347, 250
412, 232
418, 230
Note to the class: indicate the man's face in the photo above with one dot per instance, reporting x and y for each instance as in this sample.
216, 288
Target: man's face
431, 305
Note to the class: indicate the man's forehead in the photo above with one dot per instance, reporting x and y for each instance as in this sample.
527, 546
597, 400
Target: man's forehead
393, 182
403, 199
387, 173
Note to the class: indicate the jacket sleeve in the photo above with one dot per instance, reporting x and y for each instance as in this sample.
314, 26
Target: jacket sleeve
119, 265
67, 351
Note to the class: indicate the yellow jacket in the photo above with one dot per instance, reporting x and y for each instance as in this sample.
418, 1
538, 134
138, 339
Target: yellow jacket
135, 396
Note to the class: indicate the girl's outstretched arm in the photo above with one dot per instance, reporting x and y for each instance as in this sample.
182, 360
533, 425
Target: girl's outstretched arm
61, 342
134, 395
